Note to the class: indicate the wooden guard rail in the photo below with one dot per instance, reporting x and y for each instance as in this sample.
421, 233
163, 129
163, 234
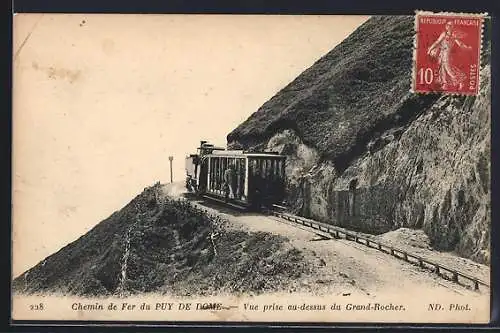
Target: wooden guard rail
339, 232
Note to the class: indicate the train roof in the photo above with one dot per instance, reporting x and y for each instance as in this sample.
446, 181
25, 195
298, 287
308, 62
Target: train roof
242, 153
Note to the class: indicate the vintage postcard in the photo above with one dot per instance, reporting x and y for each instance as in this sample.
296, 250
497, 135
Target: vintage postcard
251, 168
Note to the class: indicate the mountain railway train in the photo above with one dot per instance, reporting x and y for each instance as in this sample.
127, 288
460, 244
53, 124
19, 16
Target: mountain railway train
246, 180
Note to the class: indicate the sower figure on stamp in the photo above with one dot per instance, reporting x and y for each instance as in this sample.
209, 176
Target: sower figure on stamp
442, 50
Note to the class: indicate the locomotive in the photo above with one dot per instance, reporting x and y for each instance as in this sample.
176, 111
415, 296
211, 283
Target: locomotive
248, 180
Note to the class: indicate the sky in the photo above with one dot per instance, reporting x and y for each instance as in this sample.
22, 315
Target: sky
101, 101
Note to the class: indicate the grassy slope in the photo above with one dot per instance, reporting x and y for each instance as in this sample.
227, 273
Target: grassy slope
359, 88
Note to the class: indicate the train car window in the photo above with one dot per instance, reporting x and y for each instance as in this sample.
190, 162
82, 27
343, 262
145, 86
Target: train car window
211, 161
236, 163
209, 170
240, 174
251, 167
208, 173
283, 170
225, 165
270, 168
243, 174
221, 175
216, 175
276, 171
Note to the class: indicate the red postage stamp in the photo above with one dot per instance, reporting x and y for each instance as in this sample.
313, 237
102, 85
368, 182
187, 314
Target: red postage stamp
447, 53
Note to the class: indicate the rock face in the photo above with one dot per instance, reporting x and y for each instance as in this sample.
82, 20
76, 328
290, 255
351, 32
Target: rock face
367, 154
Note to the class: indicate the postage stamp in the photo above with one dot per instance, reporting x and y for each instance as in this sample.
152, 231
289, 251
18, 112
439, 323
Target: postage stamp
447, 53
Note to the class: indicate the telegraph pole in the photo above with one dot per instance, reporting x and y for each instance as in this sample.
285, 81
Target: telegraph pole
170, 158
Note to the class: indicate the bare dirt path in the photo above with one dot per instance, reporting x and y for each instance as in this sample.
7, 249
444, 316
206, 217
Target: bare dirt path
342, 267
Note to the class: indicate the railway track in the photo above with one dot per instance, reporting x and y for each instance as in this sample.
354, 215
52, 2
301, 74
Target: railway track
334, 232
439, 269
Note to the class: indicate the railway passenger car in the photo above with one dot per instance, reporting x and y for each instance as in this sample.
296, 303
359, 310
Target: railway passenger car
244, 179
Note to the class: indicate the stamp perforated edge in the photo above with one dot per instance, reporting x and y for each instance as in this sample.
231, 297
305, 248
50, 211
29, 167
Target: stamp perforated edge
483, 17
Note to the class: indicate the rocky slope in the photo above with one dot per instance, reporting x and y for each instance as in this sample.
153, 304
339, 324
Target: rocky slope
367, 154
165, 246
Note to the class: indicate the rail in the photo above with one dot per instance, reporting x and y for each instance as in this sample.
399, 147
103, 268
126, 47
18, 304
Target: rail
339, 232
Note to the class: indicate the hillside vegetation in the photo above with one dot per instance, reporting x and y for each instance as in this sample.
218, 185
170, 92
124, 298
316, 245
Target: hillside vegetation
163, 245
366, 153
